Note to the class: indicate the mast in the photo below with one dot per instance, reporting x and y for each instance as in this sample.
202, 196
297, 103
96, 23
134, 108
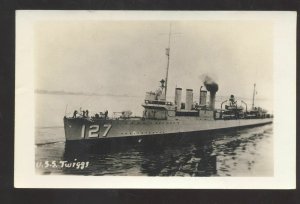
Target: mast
168, 62
253, 97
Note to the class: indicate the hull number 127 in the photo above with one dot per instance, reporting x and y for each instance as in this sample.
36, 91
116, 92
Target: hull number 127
94, 131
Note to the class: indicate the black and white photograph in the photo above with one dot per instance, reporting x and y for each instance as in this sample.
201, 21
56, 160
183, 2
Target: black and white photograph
163, 95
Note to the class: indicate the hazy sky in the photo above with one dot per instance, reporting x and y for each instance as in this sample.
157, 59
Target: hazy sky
128, 57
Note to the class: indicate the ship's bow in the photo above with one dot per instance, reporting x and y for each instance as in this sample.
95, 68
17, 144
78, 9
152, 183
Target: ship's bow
73, 128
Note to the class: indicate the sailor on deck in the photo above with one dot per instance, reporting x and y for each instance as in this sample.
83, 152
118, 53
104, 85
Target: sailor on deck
75, 113
105, 114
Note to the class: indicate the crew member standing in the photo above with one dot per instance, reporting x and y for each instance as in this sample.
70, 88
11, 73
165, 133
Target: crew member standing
75, 113
105, 114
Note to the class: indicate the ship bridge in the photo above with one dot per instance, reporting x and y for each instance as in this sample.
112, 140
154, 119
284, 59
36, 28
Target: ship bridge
156, 106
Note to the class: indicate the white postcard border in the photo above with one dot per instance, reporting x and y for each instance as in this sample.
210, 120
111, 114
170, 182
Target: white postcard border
284, 121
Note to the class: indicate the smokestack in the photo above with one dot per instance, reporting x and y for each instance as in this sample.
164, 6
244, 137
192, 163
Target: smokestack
212, 100
212, 87
189, 99
202, 99
178, 98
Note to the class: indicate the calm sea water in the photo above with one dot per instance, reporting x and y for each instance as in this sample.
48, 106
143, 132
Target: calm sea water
244, 152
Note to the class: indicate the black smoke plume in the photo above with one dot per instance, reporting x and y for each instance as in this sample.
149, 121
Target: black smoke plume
210, 84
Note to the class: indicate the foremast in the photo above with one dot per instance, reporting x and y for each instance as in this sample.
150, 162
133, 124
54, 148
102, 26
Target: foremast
168, 61
253, 98
156, 104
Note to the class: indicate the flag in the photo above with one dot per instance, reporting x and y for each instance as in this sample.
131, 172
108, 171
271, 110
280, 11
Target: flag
167, 51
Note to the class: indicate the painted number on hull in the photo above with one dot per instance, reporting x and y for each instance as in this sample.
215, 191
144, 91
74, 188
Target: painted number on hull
108, 126
94, 130
82, 131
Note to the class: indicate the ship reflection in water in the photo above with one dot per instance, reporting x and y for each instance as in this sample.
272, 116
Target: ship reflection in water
246, 152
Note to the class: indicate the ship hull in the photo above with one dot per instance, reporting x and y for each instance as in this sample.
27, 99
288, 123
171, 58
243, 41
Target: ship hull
80, 129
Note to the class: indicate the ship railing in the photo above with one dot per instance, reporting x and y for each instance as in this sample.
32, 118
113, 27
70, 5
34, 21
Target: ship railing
159, 102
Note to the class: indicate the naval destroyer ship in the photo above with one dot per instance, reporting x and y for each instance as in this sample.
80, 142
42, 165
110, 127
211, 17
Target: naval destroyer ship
161, 117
